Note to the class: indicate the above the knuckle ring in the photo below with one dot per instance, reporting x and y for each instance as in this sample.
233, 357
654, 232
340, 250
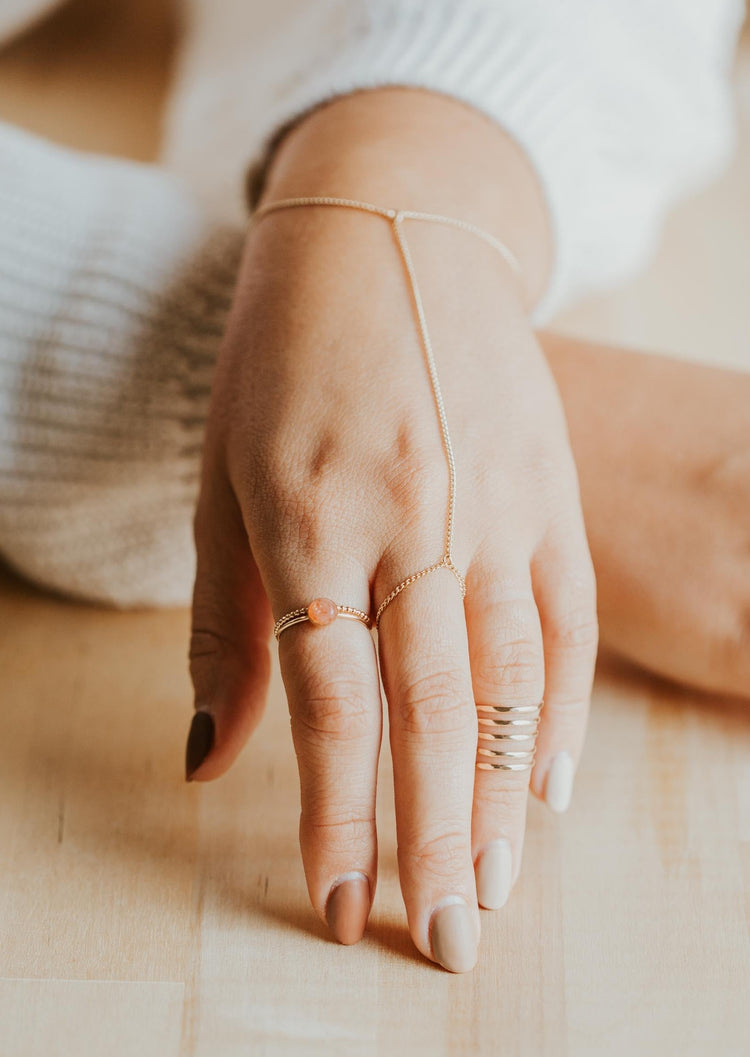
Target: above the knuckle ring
506, 739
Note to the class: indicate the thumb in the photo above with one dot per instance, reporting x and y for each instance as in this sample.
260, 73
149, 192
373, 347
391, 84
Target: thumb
230, 661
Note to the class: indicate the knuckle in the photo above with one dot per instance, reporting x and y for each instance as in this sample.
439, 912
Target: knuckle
208, 654
511, 670
337, 835
436, 703
340, 710
291, 511
576, 631
507, 801
218, 660
205, 643
440, 857
412, 460
299, 512
283, 468
285, 482
566, 711
287, 465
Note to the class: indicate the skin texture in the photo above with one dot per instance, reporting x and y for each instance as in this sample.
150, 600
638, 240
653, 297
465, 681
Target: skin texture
324, 474
663, 455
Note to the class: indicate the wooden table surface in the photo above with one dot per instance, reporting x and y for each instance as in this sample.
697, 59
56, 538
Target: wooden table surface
140, 916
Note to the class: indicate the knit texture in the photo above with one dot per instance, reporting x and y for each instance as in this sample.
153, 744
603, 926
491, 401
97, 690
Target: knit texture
622, 107
113, 298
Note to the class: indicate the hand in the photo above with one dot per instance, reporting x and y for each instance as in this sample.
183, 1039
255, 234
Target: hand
663, 452
324, 475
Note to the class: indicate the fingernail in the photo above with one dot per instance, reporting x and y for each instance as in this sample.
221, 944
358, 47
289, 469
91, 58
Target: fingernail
452, 935
348, 907
494, 871
199, 744
559, 785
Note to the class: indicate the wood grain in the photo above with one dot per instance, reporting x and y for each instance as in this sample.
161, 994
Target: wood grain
142, 916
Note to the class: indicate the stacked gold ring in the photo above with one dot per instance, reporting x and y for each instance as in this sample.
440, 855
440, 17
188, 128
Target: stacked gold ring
507, 736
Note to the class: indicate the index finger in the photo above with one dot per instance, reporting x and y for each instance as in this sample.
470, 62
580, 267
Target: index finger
331, 680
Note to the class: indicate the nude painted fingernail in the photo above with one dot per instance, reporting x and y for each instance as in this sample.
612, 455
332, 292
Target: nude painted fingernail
452, 935
558, 788
348, 907
494, 871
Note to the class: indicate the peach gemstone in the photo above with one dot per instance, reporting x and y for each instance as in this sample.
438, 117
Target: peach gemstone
322, 611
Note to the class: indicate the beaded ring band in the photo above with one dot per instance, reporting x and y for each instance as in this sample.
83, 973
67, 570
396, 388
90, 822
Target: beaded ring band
321, 611
396, 218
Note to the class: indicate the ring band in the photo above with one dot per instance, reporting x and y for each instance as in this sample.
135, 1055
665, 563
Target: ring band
320, 612
500, 724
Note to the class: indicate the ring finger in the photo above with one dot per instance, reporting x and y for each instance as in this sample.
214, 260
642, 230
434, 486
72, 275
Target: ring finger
507, 670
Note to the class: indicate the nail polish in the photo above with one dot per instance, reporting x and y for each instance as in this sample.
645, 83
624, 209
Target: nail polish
558, 788
494, 872
452, 935
199, 744
348, 907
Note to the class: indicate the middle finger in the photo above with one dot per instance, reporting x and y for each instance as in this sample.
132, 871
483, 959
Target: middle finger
433, 727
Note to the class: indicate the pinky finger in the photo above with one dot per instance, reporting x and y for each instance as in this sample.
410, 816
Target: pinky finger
565, 590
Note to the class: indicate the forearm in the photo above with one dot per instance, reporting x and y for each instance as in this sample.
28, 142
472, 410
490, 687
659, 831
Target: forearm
417, 149
663, 455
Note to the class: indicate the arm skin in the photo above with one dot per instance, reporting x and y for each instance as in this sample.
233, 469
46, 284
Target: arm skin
663, 455
414, 149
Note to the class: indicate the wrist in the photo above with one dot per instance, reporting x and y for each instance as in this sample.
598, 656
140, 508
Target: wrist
415, 149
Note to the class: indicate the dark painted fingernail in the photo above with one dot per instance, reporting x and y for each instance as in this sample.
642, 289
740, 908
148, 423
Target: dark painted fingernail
348, 907
199, 744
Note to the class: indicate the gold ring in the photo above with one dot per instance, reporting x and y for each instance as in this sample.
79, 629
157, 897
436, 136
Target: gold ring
320, 612
499, 724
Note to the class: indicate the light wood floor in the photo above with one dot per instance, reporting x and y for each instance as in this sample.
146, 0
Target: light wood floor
140, 916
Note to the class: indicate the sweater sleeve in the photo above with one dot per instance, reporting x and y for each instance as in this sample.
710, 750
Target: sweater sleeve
18, 15
622, 107
113, 296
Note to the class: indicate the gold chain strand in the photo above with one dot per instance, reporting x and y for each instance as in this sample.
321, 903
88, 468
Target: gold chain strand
444, 563
396, 218
390, 214
403, 246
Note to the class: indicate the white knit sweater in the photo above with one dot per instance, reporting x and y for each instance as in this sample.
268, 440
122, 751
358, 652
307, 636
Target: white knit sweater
115, 278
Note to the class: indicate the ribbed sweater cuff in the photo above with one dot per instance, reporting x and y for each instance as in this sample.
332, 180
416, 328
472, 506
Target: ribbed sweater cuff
113, 298
508, 60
